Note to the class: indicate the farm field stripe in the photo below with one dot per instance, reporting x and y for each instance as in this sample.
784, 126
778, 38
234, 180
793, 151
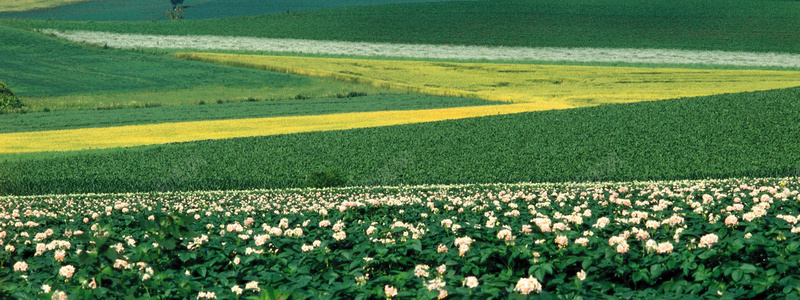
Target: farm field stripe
576, 86
137, 135
626, 55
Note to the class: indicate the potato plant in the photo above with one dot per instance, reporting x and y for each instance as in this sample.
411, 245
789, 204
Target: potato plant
734, 238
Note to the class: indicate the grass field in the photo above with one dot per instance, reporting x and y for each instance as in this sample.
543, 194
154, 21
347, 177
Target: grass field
573, 86
740, 25
53, 74
674, 139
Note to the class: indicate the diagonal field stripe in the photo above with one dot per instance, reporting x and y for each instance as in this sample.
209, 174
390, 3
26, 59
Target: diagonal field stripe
605, 55
138, 135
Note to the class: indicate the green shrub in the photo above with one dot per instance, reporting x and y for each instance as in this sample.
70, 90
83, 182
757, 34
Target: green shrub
176, 13
7, 99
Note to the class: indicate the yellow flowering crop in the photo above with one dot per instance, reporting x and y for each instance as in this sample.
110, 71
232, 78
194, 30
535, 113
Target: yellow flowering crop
23, 5
136, 135
573, 86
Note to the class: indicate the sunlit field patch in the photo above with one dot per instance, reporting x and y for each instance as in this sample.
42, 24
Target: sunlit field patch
136, 135
23, 5
572, 86
736, 238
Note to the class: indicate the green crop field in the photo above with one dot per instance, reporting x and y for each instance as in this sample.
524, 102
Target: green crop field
671, 139
740, 25
72, 119
145, 10
52, 74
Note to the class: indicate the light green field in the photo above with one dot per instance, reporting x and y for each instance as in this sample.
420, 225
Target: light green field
51, 74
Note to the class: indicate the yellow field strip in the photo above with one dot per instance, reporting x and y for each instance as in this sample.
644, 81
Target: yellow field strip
137, 135
23, 5
575, 86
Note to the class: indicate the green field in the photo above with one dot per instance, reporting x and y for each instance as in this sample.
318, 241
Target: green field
672, 139
738, 25
146, 10
49, 73
72, 119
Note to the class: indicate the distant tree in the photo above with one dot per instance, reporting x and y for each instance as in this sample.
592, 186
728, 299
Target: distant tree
177, 10
175, 3
176, 13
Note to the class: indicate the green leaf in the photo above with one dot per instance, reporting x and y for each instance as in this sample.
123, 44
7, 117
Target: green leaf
737, 275
202, 270
548, 267
111, 254
792, 247
748, 268
707, 254
586, 263
187, 255
168, 244
655, 271
416, 245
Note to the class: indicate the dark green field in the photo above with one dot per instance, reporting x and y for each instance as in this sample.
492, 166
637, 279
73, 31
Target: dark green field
146, 10
218, 111
748, 134
737, 25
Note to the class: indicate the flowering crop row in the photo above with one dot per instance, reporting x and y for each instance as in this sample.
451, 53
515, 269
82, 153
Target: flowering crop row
735, 238
584, 54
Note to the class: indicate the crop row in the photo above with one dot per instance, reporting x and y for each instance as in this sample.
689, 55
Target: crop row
693, 25
736, 238
720, 136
